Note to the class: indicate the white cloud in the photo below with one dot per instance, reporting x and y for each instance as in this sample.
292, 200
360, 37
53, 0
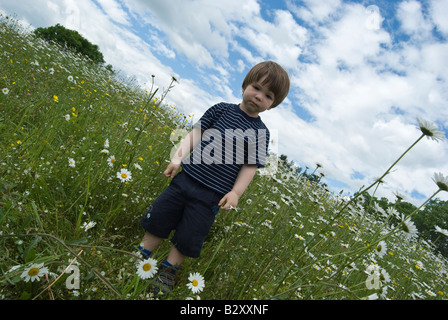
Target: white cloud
439, 8
364, 94
201, 30
115, 12
280, 40
412, 20
315, 11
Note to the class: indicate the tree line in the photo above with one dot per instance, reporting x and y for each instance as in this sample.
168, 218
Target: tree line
72, 40
434, 213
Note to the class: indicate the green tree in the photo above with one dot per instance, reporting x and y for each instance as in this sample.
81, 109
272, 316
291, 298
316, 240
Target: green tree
71, 39
435, 213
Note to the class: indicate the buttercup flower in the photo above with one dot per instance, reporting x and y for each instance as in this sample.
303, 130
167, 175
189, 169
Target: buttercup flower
441, 181
146, 269
430, 130
124, 175
196, 283
34, 272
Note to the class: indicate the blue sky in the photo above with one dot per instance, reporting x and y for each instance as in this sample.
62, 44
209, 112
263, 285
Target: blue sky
361, 72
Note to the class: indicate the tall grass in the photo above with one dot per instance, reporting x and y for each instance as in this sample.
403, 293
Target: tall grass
63, 119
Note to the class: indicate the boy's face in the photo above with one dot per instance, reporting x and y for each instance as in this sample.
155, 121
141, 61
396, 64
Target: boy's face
256, 99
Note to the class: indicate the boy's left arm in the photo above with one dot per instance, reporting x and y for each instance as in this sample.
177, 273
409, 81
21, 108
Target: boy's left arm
230, 200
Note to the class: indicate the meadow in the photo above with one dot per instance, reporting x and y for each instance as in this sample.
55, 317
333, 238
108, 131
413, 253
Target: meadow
82, 153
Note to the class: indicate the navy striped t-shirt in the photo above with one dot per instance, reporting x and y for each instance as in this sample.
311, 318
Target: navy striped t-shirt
230, 139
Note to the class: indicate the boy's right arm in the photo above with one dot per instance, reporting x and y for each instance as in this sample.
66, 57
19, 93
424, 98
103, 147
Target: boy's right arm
187, 145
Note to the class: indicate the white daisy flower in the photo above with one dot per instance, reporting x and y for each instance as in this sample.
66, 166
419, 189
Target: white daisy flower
89, 225
110, 161
409, 228
147, 268
71, 162
34, 272
430, 130
441, 231
441, 181
381, 249
5, 90
196, 283
124, 175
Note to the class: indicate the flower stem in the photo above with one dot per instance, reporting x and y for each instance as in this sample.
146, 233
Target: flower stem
377, 181
388, 170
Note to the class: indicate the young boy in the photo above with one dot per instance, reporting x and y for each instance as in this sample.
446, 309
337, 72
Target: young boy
214, 176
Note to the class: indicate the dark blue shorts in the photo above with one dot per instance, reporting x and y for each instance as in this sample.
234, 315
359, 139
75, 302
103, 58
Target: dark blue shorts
187, 207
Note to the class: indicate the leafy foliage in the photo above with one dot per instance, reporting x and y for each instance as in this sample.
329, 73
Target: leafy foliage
434, 214
72, 40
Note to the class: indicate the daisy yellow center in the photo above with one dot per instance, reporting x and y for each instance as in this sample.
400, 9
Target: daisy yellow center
112, 160
124, 175
426, 131
195, 283
442, 186
146, 267
33, 272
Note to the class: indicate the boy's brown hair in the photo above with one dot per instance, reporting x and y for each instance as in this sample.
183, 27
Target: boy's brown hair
277, 79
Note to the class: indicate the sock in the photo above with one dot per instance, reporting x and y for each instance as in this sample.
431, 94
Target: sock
166, 263
144, 252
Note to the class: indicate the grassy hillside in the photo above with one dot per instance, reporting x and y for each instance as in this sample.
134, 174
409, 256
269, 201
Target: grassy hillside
68, 126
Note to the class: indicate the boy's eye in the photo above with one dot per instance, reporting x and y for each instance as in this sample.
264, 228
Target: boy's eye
258, 88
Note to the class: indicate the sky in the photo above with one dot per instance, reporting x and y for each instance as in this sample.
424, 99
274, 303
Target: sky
361, 73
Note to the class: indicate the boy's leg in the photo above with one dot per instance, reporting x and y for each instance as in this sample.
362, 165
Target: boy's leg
150, 241
162, 217
175, 258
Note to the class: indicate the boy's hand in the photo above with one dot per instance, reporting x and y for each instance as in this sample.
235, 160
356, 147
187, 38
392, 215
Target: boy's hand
171, 170
229, 201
